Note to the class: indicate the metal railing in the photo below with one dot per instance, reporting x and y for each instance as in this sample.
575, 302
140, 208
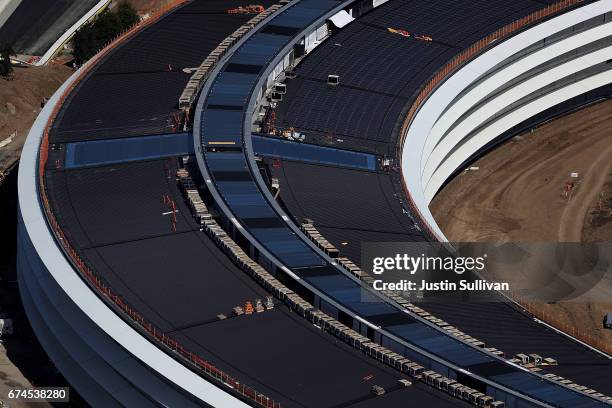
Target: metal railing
103, 290
440, 76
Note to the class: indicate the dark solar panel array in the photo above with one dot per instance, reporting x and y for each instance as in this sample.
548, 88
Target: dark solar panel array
375, 85
319, 110
449, 24
136, 91
250, 207
180, 281
368, 211
314, 371
352, 114
123, 105
500, 325
115, 216
229, 171
116, 203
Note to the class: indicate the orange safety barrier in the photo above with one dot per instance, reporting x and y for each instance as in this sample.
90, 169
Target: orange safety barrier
90, 277
451, 67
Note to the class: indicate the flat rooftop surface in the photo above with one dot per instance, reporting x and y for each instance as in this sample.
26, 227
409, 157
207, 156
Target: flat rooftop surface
135, 90
381, 72
363, 114
116, 217
180, 281
348, 205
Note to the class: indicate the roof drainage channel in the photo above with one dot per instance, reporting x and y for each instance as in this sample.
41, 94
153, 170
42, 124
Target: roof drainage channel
222, 135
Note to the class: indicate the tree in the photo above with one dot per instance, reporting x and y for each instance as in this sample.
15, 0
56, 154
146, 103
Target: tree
127, 15
84, 43
6, 68
92, 36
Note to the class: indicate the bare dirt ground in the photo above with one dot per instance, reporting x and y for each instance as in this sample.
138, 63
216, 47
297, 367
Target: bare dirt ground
20, 101
525, 192
143, 6
23, 362
11, 377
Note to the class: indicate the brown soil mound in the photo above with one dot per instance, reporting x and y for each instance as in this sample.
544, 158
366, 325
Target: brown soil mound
552, 184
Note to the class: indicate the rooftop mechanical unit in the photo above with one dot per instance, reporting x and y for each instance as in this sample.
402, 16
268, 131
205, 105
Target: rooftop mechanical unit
280, 88
535, 359
276, 97
333, 79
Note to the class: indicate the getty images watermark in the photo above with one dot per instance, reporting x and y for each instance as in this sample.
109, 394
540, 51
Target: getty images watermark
547, 272
412, 265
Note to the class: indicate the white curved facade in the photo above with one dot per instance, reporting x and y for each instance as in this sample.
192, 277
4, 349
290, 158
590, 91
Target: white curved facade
106, 359
501, 88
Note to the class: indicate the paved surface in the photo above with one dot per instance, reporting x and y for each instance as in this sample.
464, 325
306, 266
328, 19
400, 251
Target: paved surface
36, 24
7, 7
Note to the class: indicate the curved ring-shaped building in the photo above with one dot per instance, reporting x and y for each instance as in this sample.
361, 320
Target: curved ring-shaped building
502, 88
137, 264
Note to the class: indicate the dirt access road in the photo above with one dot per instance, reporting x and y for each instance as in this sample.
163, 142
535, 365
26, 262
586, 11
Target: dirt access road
524, 191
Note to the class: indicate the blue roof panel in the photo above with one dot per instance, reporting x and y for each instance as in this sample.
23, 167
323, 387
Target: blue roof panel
336, 285
289, 150
287, 247
304, 13
110, 151
543, 390
231, 89
224, 161
259, 49
222, 126
367, 308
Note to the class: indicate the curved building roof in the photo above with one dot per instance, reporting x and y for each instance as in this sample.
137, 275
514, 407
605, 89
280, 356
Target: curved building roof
111, 182
176, 277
